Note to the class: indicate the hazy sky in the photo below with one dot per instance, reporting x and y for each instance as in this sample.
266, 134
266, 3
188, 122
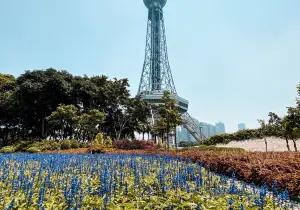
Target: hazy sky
233, 60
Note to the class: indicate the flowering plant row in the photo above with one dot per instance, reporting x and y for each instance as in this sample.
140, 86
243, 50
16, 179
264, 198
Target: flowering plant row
280, 171
45, 181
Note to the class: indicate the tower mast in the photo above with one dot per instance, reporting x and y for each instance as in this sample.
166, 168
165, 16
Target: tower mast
156, 75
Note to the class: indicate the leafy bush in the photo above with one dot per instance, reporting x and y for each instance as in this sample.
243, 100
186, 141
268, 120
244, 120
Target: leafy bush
70, 144
74, 144
66, 144
8, 149
134, 144
238, 136
82, 145
187, 144
33, 149
41, 146
20, 146
51, 145
100, 144
101, 140
23, 144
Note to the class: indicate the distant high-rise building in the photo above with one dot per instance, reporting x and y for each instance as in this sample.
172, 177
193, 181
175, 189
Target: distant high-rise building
241, 126
206, 129
220, 128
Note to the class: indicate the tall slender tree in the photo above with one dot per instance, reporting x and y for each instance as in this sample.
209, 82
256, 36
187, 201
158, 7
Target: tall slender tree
291, 125
169, 117
264, 132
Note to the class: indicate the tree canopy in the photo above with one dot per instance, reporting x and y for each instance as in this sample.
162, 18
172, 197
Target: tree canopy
49, 103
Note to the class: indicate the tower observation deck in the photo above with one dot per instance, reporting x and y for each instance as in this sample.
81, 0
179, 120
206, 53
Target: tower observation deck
156, 75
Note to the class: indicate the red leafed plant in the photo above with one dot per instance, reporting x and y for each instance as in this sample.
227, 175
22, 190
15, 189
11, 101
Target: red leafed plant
134, 144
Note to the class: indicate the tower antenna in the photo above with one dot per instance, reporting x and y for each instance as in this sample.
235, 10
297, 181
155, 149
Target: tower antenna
156, 76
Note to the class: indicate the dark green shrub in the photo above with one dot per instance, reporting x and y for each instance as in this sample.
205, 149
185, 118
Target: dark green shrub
83, 145
69, 144
65, 144
74, 144
50, 145
187, 144
238, 136
55, 146
23, 144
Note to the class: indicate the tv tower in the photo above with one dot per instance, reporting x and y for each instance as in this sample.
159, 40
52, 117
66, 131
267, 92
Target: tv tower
156, 75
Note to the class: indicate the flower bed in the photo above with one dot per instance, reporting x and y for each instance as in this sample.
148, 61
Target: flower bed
278, 170
114, 181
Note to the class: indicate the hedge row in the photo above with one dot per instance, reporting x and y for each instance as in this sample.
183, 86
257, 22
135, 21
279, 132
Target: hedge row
41, 146
238, 136
51, 145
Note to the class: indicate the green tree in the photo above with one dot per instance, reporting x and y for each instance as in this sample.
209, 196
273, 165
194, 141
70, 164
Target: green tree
63, 121
129, 117
140, 114
38, 94
291, 125
89, 124
144, 127
271, 128
159, 129
9, 122
264, 132
169, 117
84, 92
7, 86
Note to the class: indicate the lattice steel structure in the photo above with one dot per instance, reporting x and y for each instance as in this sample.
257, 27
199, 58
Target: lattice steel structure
156, 75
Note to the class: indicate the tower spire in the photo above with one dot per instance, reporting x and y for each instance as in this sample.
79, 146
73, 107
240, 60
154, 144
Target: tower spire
156, 75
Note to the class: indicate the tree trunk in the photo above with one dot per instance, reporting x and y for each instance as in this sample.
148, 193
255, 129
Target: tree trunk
295, 145
266, 143
143, 136
168, 140
287, 144
43, 127
175, 135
